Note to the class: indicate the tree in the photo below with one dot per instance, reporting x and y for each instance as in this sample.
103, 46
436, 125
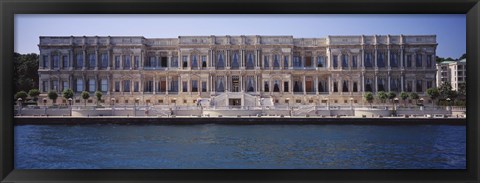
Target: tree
414, 96
85, 96
34, 93
391, 96
68, 93
21, 94
98, 94
433, 93
382, 96
53, 96
463, 56
25, 71
404, 96
369, 98
445, 90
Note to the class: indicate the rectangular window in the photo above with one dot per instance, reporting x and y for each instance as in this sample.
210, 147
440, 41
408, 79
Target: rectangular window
265, 62
136, 62
174, 86
194, 86
335, 86
354, 62
136, 86
418, 61
104, 85
65, 62
117, 62
204, 86
45, 61
55, 85
204, 61
335, 61
285, 62
163, 62
381, 60
91, 61
296, 61
117, 86
184, 62
321, 61
65, 85
55, 62
80, 85
194, 62
344, 61
266, 87
419, 86
285, 86
429, 61
184, 86
126, 62
393, 60
45, 86
174, 62
91, 85
308, 61
104, 61
126, 85
409, 61
429, 84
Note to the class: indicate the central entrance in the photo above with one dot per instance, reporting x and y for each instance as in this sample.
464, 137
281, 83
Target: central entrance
235, 84
235, 102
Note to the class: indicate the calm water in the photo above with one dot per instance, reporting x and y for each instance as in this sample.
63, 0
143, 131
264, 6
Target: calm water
232, 146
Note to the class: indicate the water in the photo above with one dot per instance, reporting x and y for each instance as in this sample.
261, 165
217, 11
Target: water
236, 146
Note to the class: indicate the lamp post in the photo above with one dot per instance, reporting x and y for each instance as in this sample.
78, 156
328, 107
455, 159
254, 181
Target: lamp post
395, 102
421, 103
135, 107
19, 106
351, 103
45, 105
113, 106
448, 104
70, 102
328, 103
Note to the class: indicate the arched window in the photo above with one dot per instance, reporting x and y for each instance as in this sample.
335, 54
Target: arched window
345, 86
220, 61
220, 85
250, 85
194, 61
250, 63
235, 63
276, 86
276, 62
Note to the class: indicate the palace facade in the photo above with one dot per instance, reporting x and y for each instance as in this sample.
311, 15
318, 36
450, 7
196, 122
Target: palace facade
236, 70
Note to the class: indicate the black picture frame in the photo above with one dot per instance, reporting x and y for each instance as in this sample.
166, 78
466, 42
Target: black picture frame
471, 8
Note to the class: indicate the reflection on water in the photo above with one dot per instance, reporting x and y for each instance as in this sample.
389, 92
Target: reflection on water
236, 146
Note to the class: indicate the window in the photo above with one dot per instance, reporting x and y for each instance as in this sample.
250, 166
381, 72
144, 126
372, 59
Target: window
65, 62
126, 62
204, 61
354, 62
45, 86
285, 86
276, 62
104, 85
355, 87
322, 86
104, 61
117, 86
174, 86
91, 85
419, 87
297, 86
194, 86
393, 60
266, 88
148, 86
381, 84
296, 61
418, 60
235, 62
345, 86
250, 84
409, 61
150, 62
250, 61
335, 86
395, 84
276, 86
204, 86
409, 86
430, 84
220, 61
381, 60
55, 61
174, 62
368, 85
184, 62
91, 61
164, 61
285, 62
335, 61
79, 85
429, 61
45, 61
184, 86
136, 62
368, 60
344, 61
126, 85
136, 86
308, 61
320, 61
55, 85
194, 62
65, 85
265, 62
117, 62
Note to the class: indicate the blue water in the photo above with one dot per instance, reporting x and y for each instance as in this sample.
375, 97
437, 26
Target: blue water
237, 146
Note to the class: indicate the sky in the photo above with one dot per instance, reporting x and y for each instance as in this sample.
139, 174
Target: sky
450, 29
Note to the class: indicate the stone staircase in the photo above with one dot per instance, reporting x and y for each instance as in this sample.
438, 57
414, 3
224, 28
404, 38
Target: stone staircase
303, 110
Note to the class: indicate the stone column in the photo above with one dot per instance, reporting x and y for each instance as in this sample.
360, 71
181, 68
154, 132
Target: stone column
304, 87
401, 57
96, 59
363, 83
402, 83
225, 84
84, 59
167, 85
375, 58
376, 83
362, 60
70, 59
316, 85
110, 60
141, 64
389, 89
154, 84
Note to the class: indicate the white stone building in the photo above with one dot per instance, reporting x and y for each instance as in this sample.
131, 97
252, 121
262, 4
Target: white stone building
237, 70
453, 72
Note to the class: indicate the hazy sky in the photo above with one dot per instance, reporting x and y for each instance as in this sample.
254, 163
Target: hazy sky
450, 29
